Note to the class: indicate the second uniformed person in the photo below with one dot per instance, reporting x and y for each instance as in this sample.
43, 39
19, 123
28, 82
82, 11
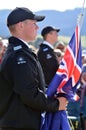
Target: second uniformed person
46, 54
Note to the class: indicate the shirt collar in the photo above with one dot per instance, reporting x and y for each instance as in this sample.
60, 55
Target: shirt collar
25, 43
48, 44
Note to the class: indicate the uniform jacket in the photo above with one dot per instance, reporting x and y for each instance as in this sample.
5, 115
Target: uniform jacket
48, 61
21, 88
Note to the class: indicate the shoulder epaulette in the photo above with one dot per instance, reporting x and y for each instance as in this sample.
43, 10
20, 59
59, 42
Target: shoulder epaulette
45, 49
17, 47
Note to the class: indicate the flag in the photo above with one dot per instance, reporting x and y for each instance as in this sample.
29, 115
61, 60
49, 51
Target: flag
65, 83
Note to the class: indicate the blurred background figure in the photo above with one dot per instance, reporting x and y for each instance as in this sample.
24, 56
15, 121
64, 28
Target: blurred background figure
33, 48
60, 45
59, 54
83, 57
83, 82
83, 74
3, 46
81, 91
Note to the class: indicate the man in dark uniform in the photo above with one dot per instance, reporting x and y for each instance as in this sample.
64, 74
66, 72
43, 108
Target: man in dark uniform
46, 54
22, 97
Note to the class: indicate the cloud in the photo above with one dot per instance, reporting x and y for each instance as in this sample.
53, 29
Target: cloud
36, 5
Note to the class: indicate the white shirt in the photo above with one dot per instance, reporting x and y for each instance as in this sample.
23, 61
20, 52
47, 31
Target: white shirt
47, 43
25, 43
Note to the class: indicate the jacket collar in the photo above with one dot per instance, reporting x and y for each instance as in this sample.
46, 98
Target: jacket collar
16, 42
48, 44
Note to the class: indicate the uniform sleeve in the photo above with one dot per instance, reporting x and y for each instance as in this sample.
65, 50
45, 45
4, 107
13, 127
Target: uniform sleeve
26, 85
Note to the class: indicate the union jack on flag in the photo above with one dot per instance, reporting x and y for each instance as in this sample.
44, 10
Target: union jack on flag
65, 83
68, 74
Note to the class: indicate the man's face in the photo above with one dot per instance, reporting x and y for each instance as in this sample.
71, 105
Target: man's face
29, 30
53, 36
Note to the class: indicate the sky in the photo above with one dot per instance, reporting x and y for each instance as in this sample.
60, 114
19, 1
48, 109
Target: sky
37, 5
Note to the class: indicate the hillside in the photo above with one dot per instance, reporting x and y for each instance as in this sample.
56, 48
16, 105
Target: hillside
66, 21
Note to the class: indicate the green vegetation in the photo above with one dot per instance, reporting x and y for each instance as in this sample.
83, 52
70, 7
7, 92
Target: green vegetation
83, 39
65, 39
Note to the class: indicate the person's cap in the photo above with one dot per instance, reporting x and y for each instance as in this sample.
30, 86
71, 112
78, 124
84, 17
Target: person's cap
20, 14
48, 29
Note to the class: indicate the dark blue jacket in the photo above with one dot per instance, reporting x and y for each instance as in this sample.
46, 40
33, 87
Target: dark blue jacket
48, 62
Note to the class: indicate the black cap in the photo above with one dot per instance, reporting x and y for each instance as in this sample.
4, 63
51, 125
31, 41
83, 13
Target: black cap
21, 14
48, 29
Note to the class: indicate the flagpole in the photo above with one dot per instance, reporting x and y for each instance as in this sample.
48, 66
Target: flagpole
81, 16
